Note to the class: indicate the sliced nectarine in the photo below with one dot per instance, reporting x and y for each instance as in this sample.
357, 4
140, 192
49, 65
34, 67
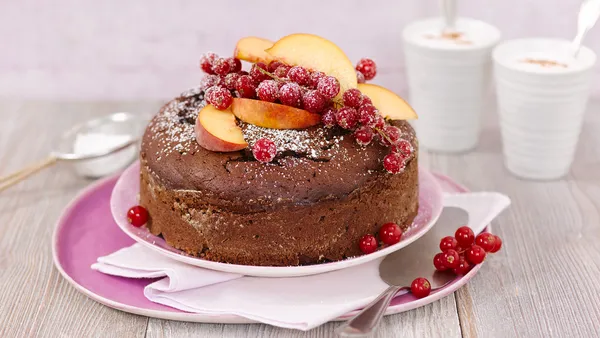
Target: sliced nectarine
389, 104
252, 49
316, 53
216, 130
273, 115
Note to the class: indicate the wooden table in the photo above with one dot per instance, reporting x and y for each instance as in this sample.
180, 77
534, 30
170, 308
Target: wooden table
544, 283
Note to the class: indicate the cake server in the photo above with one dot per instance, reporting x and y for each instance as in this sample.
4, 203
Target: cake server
400, 268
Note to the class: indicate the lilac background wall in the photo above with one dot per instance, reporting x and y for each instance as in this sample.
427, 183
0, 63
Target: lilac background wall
127, 49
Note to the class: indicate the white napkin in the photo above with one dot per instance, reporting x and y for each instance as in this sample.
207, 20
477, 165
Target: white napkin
298, 302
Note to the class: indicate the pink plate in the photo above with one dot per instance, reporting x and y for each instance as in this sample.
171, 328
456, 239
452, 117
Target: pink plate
125, 194
86, 231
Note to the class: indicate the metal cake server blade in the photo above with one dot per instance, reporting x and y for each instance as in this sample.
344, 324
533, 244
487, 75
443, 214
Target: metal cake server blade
400, 268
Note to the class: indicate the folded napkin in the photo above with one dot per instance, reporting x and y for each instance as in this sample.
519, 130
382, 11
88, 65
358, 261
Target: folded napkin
298, 302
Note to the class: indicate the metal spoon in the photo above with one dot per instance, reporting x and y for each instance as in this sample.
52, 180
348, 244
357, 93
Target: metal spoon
448, 8
588, 15
126, 124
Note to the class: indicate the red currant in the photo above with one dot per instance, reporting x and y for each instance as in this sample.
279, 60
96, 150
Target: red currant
367, 67
328, 117
221, 67
451, 258
268, 90
393, 135
314, 79
403, 147
231, 80
393, 163
420, 287
299, 75
290, 94
313, 101
245, 87
352, 98
486, 240
463, 267
379, 122
390, 233
366, 114
448, 243
347, 117
363, 135
438, 262
219, 97
360, 78
274, 65
475, 254
464, 236
367, 100
206, 62
282, 71
209, 81
235, 64
498, 245
367, 244
256, 74
328, 86
137, 216
264, 150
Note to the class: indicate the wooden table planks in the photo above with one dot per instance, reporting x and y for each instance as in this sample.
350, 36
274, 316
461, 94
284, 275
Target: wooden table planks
544, 283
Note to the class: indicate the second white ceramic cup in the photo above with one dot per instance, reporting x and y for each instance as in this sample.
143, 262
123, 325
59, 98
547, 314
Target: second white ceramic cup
449, 81
541, 106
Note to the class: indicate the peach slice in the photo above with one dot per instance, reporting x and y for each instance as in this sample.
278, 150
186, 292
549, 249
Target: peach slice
252, 49
316, 53
387, 102
273, 115
216, 130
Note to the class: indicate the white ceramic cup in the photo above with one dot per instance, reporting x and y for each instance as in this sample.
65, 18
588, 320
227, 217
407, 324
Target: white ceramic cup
541, 106
449, 81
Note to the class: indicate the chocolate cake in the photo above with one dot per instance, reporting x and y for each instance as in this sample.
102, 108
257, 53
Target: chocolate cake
311, 204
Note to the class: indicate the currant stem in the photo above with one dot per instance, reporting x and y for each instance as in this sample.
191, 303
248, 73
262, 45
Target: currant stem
384, 135
272, 75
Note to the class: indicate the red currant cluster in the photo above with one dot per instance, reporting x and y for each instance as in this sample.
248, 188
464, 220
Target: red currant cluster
461, 252
389, 233
137, 216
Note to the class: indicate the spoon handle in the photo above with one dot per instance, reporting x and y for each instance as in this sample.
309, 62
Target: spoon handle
19, 175
449, 13
368, 319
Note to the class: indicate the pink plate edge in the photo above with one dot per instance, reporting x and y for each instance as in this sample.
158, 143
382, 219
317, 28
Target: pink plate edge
230, 319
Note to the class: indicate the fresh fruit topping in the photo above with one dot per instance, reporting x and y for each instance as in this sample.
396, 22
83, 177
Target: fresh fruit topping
360, 77
290, 94
390, 233
392, 135
137, 216
463, 267
393, 163
219, 97
245, 87
486, 240
252, 49
352, 98
367, 67
217, 130
273, 115
317, 54
313, 101
367, 244
450, 257
328, 86
235, 64
498, 245
475, 254
256, 74
347, 117
420, 287
448, 243
314, 79
209, 81
299, 75
366, 115
389, 104
231, 80
221, 67
328, 117
274, 65
363, 135
464, 236
379, 122
268, 91
403, 147
438, 262
282, 72
367, 100
206, 62
264, 150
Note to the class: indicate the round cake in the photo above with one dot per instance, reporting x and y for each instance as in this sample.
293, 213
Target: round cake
312, 203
